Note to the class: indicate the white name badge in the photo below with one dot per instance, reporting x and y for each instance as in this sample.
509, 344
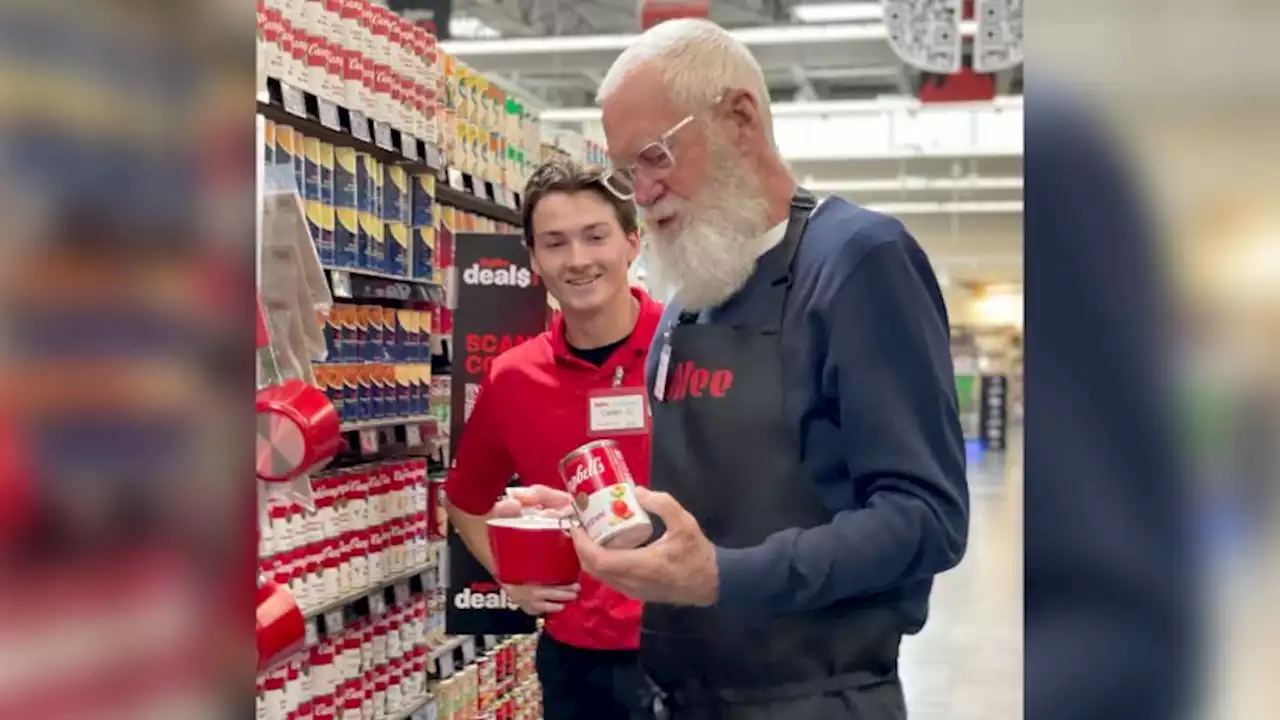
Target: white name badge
617, 411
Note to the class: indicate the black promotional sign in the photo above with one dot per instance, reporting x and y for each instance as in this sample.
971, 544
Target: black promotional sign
500, 304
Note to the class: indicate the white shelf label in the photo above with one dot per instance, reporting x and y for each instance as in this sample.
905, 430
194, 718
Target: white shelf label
294, 101
469, 650
409, 146
382, 135
360, 126
333, 622
369, 441
455, 179
341, 281
402, 591
312, 635
490, 640
378, 603
329, 114
446, 665
413, 435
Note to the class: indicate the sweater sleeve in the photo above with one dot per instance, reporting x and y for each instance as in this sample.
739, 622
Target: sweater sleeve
887, 366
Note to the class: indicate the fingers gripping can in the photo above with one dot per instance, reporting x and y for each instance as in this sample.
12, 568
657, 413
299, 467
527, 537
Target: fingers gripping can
604, 498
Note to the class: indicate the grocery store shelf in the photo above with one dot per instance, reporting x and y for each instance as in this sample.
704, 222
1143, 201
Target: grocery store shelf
376, 274
361, 284
388, 422
472, 203
420, 156
406, 714
435, 546
450, 645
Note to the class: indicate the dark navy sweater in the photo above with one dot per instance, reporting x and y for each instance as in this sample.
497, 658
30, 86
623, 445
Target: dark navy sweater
868, 380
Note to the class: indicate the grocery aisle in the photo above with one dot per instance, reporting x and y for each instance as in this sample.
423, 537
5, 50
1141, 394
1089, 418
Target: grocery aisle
967, 663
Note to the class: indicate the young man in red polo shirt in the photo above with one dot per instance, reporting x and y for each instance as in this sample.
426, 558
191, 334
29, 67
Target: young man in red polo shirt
533, 409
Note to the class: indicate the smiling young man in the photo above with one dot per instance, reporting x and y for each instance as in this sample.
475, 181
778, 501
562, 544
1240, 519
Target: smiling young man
533, 409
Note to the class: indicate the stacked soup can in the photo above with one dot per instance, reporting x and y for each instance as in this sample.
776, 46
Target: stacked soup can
370, 524
363, 667
357, 54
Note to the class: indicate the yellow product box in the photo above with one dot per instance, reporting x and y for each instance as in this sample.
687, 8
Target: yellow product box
398, 252
396, 195
268, 142
346, 231
289, 153
407, 334
311, 169
390, 340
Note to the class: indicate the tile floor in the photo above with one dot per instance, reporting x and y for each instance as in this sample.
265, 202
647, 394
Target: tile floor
967, 662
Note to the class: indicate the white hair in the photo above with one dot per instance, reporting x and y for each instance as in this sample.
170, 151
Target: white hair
698, 60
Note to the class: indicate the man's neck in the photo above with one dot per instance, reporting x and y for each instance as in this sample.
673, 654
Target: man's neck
611, 324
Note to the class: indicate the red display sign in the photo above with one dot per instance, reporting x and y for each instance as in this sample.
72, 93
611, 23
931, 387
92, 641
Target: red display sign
653, 12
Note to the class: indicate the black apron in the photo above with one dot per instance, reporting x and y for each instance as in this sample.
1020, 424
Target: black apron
732, 459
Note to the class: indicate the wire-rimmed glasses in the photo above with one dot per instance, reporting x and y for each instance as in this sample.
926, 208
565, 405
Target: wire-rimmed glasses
656, 157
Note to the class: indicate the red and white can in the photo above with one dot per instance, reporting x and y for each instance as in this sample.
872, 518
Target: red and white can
603, 491
317, 65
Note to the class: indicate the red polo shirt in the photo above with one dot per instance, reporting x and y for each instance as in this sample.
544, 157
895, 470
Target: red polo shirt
530, 413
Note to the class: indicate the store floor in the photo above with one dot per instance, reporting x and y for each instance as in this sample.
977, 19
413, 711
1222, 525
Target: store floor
967, 662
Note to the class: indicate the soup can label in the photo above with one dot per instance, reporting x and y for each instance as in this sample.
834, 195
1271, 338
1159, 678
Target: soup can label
603, 491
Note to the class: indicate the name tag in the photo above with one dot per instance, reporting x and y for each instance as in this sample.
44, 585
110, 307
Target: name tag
617, 411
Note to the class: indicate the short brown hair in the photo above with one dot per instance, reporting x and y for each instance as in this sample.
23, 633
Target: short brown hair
567, 176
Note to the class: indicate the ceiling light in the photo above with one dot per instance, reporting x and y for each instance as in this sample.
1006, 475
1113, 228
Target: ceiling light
838, 12
461, 26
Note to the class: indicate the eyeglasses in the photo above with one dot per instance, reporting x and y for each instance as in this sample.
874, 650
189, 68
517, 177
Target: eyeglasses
655, 157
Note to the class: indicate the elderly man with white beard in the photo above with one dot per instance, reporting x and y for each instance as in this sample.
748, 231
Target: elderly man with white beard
808, 466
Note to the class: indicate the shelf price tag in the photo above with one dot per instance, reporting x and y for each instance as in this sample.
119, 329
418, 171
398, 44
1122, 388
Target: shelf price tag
332, 622
455, 179
312, 634
382, 135
469, 650
341, 282
413, 435
377, 603
409, 146
446, 665
329, 114
360, 126
369, 441
294, 101
402, 592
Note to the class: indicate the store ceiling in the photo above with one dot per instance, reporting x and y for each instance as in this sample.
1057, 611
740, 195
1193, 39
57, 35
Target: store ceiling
857, 65
558, 50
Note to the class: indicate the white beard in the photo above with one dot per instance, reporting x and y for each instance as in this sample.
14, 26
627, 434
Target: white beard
710, 256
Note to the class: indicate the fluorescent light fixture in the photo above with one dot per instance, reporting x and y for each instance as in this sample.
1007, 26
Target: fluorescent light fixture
752, 37
462, 26
914, 184
838, 12
824, 108
1010, 207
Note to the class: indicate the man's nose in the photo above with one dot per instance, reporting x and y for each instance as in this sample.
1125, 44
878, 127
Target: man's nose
579, 255
647, 191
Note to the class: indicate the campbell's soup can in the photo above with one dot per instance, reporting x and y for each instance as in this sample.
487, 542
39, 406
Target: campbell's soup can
603, 491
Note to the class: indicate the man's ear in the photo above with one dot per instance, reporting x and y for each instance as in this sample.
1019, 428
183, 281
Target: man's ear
533, 262
633, 241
